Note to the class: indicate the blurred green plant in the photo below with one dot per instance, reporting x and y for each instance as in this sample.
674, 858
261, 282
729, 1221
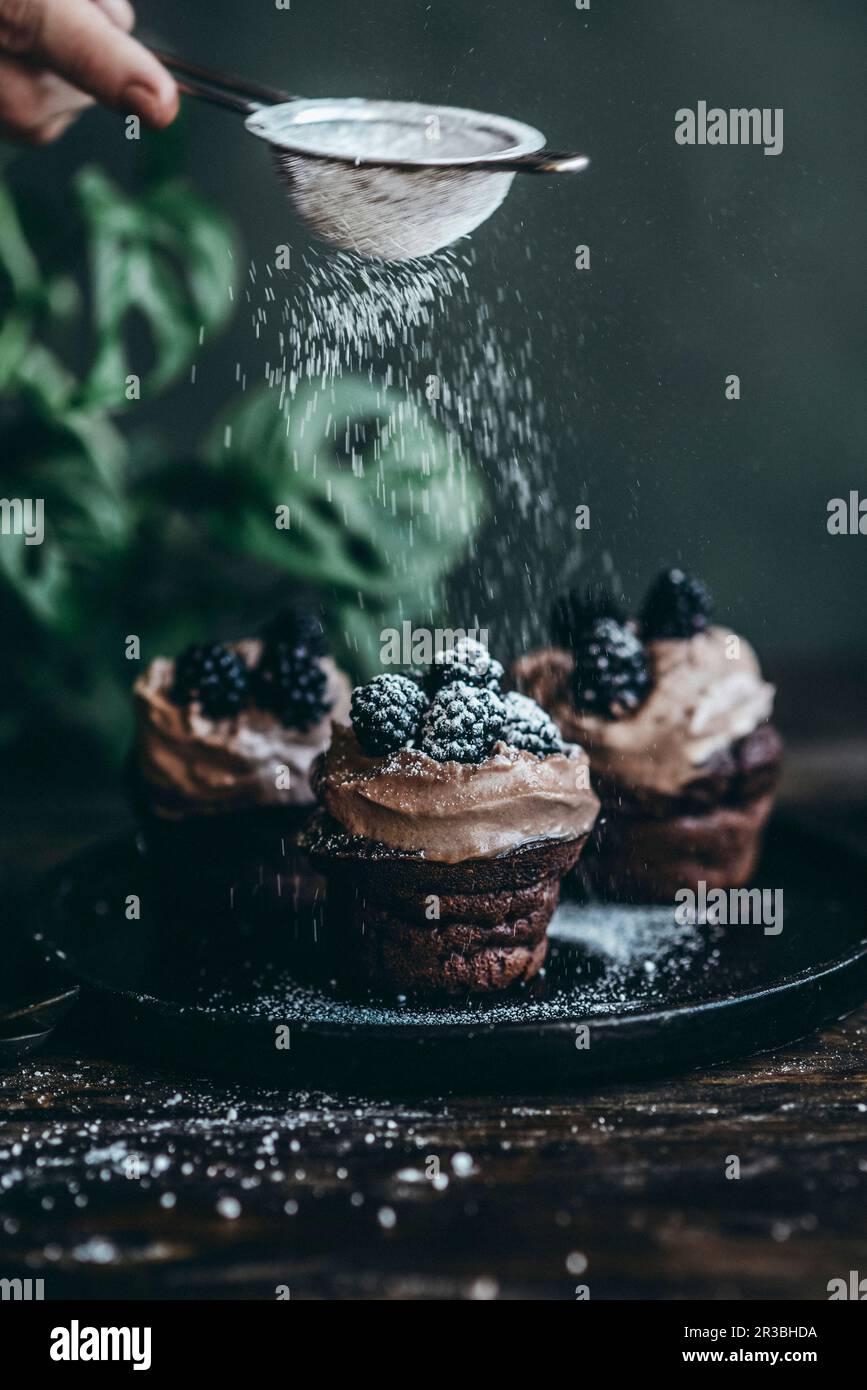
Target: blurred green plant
352, 492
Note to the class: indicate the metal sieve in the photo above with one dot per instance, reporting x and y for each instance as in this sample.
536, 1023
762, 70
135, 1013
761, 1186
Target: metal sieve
390, 180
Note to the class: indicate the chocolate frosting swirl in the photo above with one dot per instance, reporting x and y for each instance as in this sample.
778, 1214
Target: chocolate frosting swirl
706, 693
193, 766
451, 811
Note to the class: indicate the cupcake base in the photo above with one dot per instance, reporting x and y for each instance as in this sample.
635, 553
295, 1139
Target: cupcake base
229, 867
399, 922
640, 859
646, 850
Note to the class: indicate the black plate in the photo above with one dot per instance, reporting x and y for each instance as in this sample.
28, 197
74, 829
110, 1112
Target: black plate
656, 996
34, 995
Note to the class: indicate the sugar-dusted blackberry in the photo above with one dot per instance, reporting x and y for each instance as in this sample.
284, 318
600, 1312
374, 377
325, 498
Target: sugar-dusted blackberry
677, 605
463, 723
215, 676
577, 610
386, 712
291, 683
611, 676
298, 630
468, 661
527, 726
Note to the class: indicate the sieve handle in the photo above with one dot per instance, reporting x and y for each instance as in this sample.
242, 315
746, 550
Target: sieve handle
220, 88
546, 162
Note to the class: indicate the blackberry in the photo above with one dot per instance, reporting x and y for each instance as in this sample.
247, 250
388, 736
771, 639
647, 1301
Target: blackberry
298, 630
386, 712
216, 676
290, 683
677, 605
527, 726
463, 723
468, 661
576, 611
611, 676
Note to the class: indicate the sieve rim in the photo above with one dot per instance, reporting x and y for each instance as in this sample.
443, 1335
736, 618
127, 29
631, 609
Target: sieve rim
524, 139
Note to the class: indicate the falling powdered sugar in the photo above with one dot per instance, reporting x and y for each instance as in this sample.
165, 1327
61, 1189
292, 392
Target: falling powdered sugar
420, 331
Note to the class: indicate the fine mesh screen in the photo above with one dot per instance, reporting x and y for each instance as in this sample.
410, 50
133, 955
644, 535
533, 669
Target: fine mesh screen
393, 139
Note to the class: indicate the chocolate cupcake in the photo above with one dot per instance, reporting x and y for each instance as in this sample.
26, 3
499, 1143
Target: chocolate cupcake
675, 716
220, 769
449, 814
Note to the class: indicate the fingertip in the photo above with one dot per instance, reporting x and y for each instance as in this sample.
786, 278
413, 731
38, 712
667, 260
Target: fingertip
158, 104
120, 12
166, 105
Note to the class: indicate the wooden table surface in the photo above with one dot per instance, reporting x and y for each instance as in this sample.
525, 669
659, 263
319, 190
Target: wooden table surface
116, 1181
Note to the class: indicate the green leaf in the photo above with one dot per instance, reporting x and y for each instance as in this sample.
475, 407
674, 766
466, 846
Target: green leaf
16, 257
165, 256
73, 465
113, 560
376, 497
20, 286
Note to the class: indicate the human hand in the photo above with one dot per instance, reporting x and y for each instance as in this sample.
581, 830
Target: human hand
59, 56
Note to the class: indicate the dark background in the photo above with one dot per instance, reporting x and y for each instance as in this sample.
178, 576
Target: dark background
705, 261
